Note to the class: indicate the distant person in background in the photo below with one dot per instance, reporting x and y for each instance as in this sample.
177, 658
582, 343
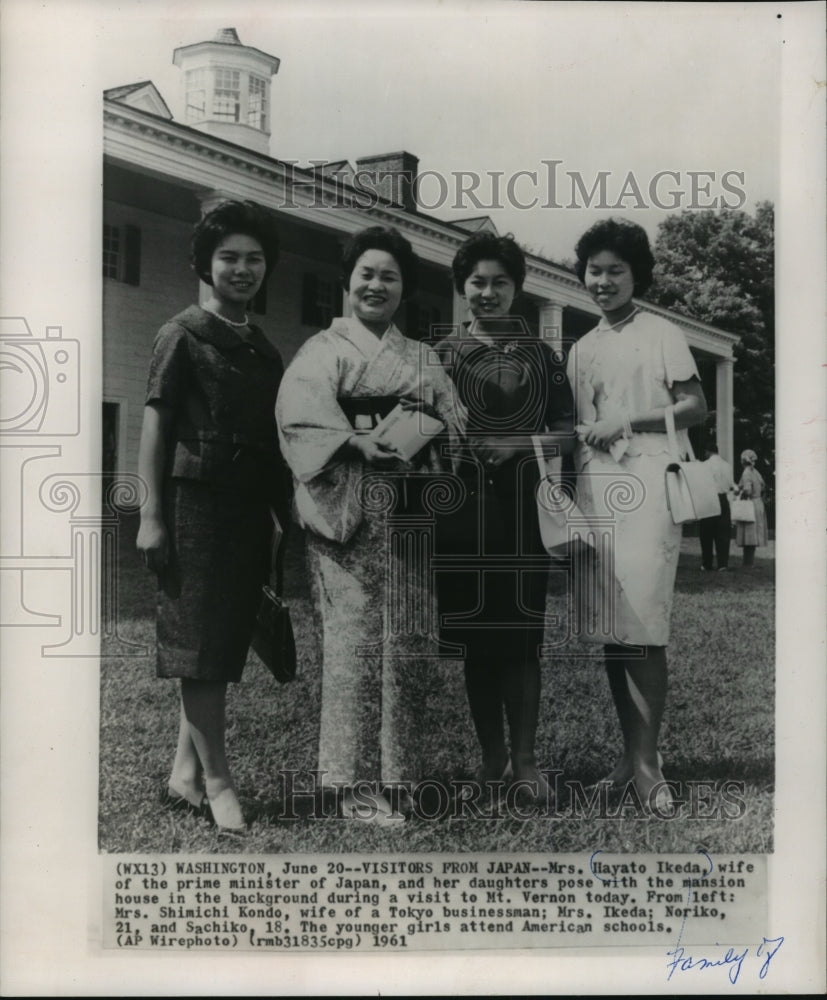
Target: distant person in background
717, 531
750, 534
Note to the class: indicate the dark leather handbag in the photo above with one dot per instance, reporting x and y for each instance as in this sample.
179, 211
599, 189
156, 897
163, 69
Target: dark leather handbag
273, 640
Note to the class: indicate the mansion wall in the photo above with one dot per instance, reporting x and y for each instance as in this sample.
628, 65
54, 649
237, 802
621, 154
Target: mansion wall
302, 295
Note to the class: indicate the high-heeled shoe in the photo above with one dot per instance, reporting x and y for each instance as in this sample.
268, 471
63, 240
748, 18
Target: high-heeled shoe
494, 772
536, 791
224, 810
371, 808
620, 777
175, 801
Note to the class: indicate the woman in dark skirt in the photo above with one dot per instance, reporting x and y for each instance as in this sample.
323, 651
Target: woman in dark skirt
209, 457
492, 591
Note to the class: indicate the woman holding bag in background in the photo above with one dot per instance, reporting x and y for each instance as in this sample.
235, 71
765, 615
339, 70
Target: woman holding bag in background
751, 534
625, 373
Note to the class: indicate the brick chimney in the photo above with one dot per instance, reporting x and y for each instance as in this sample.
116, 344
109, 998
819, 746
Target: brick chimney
392, 176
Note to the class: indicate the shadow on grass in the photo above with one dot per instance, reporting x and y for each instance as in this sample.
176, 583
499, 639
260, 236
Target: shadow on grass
718, 726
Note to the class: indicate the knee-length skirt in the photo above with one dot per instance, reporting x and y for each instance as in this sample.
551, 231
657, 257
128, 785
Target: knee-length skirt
210, 593
624, 580
492, 570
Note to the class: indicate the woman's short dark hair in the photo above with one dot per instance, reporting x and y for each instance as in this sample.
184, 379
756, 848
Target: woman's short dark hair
391, 241
228, 219
487, 246
627, 239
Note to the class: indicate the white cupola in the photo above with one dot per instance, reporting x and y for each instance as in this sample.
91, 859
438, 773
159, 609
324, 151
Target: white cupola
226, 89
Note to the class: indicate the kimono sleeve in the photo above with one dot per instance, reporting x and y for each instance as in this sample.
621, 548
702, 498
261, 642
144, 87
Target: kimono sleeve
169, 368
312, 425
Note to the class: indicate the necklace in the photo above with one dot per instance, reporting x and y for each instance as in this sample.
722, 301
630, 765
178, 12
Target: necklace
625, 319
229, 322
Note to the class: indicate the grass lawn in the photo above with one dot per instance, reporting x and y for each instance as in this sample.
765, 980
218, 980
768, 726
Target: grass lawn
719, 725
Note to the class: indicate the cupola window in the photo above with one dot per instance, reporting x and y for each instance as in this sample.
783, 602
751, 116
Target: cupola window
257, 103
227, 95
196, 95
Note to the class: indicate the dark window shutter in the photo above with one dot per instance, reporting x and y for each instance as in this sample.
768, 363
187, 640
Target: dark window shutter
310, 308
132, 255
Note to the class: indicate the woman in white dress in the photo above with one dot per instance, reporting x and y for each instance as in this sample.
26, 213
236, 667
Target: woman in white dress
625, 373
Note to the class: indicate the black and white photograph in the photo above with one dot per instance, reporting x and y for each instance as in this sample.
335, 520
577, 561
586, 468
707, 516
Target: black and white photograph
413, 497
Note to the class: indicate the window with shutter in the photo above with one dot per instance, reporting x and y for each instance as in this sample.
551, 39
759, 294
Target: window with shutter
122, 253
321, 302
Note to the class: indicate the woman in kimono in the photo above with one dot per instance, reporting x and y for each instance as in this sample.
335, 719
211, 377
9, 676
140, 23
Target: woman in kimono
210, 460
492, 593
625, 373
348, 487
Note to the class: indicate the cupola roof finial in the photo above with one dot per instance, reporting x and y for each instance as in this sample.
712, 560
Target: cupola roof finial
229, 36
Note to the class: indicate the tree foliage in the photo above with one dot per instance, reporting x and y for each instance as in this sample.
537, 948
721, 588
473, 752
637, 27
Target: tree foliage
718, 267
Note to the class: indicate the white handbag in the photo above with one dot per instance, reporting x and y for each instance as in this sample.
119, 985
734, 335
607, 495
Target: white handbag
743, 511
691, 493
560, 519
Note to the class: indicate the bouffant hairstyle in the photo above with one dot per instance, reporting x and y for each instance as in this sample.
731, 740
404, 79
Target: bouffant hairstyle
391, 241
627, 239
229, 219
487, 246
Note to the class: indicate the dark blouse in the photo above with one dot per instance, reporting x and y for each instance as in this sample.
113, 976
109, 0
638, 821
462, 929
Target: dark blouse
222, 389
517, 385
490, 563
518, 388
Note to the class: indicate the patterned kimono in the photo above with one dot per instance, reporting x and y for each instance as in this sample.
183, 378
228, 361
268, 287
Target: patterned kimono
369, 571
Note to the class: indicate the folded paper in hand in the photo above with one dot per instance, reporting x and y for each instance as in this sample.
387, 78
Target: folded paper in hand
407, 430
617, 449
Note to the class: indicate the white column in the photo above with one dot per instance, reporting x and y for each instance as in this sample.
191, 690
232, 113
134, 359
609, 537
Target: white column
460, 311
724, 409
551, 323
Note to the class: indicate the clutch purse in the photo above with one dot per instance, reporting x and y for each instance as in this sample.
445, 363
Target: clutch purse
691, 493
742, 510
273, 640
